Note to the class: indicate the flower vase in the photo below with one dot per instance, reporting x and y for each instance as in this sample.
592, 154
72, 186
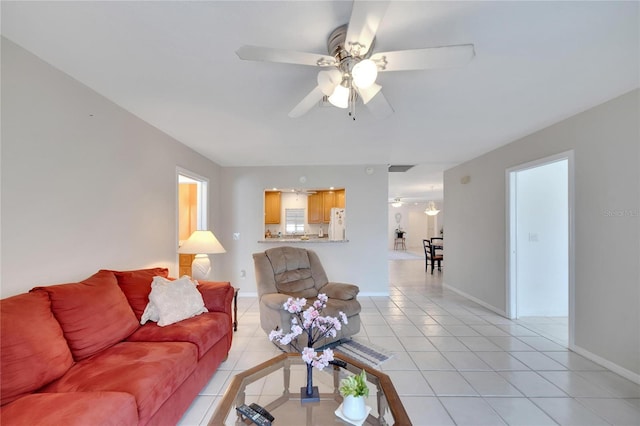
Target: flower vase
354, 408
309, 393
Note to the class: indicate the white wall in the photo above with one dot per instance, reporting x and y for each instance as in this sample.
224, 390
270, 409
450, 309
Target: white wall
605, 140
542, 240
362, 260
85, 184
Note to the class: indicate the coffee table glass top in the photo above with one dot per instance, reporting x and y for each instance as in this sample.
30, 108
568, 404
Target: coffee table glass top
275, 385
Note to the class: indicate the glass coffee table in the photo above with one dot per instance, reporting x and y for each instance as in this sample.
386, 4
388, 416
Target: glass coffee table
275, 385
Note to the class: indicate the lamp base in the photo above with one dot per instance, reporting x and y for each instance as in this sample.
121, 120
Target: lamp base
200, 267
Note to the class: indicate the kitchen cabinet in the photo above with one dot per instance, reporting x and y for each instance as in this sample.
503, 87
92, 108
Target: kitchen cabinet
340, 199
319, 205
314, 208
272, 207
328, 202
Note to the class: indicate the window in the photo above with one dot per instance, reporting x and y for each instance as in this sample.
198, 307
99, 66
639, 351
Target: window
294, 221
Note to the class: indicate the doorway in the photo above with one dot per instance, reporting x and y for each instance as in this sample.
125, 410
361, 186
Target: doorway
192, 212
540, 246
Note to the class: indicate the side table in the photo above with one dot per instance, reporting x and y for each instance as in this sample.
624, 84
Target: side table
235, 308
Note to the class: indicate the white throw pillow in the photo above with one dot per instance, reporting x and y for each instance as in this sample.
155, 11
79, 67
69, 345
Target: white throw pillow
172, 301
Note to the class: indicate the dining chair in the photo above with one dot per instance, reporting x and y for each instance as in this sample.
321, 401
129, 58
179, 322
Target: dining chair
431, 255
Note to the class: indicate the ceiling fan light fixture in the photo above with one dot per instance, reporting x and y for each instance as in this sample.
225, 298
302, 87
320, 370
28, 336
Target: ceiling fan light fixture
364, 73
340, 97
328, 80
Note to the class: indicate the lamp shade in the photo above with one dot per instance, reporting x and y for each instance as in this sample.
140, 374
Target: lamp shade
328, 80
340, 97
201, 242
364, 73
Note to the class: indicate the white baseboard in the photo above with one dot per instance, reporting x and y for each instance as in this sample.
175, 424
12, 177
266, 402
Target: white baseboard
627, 374
475, 299
363, 294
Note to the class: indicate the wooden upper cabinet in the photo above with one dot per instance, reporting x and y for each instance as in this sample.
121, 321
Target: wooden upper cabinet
340, 199
319, 205
272, 207
328, 202
314, 208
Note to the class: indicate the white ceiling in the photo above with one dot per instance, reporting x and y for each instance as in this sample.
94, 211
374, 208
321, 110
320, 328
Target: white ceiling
173, 64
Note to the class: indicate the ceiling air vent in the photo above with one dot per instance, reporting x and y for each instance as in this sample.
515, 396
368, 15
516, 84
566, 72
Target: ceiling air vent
398, 169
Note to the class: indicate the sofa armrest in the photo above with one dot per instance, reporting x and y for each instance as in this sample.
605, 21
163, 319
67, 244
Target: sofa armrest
340, 291
217, 296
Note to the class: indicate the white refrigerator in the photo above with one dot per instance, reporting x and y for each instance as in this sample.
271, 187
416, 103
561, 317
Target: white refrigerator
337, 228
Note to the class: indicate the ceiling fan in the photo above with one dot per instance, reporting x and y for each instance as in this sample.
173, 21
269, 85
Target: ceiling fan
350, 70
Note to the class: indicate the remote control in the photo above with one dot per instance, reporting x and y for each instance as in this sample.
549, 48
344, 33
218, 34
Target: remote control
264, 413
339, 363
252, 415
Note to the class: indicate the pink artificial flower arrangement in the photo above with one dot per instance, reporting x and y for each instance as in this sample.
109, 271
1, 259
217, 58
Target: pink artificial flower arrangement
311, 322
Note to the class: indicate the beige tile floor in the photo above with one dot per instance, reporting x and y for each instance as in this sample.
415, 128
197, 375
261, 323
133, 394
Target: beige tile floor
455, 362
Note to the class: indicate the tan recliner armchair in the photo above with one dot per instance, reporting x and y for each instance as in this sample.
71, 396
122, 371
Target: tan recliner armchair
284, 272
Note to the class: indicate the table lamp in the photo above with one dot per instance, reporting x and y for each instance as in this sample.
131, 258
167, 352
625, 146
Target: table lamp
201, 243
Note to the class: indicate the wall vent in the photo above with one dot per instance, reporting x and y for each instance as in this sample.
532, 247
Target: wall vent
398, 168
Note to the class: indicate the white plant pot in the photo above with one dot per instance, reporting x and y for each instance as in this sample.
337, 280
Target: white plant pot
354, 408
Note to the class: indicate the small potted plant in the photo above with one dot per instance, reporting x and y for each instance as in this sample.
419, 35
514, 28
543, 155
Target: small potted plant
354, 391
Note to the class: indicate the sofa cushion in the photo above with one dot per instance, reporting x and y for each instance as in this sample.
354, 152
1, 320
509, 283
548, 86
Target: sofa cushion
136, 286
94, 313
72, 409
203, 330
151, 372
34, 351
172, 301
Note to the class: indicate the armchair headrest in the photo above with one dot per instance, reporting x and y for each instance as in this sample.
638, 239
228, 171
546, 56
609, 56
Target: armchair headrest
292, 271
285, 259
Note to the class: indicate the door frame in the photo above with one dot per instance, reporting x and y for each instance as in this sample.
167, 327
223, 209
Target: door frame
511, 305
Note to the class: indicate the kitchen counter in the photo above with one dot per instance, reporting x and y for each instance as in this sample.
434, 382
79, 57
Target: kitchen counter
300, 241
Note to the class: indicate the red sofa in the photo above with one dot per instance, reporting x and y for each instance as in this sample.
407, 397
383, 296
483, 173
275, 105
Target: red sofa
76, 354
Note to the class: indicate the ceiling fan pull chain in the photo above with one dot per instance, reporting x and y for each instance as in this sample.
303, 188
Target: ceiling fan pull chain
352, 104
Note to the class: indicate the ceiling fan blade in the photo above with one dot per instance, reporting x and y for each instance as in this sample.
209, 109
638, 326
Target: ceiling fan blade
307, 103
269, 54
422, 59
364, 22
368, 93
379, 107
